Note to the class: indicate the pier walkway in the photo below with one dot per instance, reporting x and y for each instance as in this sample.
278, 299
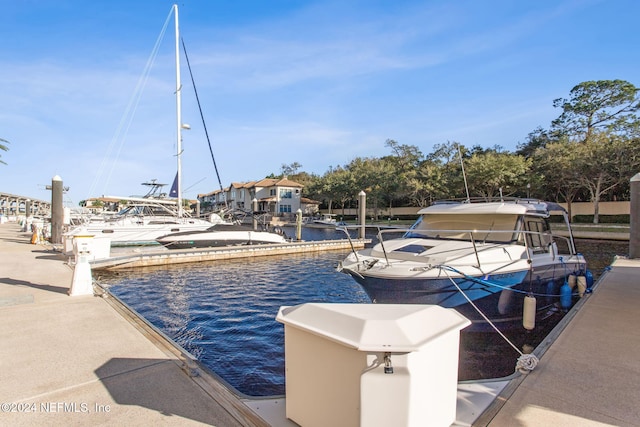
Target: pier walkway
76, 361
589, 374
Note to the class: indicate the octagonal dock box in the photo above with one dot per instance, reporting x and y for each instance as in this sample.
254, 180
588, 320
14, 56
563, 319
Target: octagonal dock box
91, 247
371, 364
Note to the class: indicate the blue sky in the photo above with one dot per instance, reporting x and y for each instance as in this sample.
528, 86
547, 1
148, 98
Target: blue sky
313, 82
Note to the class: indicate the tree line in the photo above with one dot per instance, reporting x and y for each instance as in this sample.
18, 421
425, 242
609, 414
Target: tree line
588, 153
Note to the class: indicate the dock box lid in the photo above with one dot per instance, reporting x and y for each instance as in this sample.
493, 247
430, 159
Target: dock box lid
374, 327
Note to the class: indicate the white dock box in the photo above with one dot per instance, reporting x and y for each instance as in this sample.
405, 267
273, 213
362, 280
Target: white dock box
371, 364
90, 246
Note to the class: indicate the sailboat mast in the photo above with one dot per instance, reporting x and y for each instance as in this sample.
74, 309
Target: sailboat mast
178, 113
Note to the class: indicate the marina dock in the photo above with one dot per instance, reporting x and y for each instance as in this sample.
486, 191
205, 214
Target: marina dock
85, 360
588, 374
156, 256
77, 361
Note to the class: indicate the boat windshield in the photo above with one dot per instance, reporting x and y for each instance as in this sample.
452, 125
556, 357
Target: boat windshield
494, 228
148, 210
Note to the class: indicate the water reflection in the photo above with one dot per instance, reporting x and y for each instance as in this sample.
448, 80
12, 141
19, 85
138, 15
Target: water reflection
224, 312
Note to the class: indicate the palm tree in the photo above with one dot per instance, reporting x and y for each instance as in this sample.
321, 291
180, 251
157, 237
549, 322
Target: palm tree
3, 147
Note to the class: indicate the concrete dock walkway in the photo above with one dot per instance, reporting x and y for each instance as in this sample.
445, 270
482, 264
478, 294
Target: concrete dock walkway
76, 361
589, 375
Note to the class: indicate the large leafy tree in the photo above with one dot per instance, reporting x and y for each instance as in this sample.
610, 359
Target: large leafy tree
538, 138
407, 156
427, 185
494, 173
448, 157
374, 176
321, 188
339, 185
605, 161
290, 169
303, 178
556, 166
401, 169
603, 105
390, 184
599, 115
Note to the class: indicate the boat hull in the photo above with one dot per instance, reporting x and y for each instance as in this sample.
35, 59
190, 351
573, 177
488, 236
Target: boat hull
213, 243
231, 237
499, 297
136, 234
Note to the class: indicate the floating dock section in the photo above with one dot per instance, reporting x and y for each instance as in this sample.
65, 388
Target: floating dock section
162, 256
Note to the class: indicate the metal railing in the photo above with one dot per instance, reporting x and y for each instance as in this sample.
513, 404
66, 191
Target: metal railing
517, 237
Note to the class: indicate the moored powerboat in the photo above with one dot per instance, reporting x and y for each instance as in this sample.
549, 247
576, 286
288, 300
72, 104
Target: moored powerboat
323, 221
141, 222
475, 257
223, 234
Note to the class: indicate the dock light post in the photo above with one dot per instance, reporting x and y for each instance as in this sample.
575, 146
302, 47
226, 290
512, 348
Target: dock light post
57, 210
528, 191
634, 220
28, 215
362, 213
254, 206
299, 224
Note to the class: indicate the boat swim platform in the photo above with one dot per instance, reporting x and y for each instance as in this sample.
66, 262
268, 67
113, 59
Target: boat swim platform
79, 360
159, 256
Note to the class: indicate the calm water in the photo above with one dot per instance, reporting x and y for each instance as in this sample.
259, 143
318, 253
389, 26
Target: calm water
224, 312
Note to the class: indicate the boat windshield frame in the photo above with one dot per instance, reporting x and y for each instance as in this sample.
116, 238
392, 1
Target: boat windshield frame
496, 228
145, 210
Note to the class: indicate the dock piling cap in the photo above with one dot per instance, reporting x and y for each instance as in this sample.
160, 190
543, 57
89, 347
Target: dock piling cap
374, 327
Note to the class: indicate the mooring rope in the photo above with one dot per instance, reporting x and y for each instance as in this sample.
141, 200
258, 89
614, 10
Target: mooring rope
526, 362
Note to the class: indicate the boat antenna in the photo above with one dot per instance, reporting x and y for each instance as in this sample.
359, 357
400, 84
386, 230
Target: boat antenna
193, 82
464, 176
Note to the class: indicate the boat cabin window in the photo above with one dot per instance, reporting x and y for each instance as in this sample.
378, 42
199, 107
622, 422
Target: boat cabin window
539, 234
489, 228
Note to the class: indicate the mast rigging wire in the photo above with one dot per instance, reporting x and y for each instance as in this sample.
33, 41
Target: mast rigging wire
215, 166
127, 118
